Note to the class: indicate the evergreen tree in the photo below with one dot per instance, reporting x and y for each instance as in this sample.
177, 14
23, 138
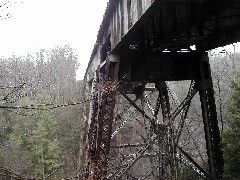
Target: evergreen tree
231, 136
45, 148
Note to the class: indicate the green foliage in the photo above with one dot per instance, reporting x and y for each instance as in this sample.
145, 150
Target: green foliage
231, 136
45, 148
32, 141
36, 136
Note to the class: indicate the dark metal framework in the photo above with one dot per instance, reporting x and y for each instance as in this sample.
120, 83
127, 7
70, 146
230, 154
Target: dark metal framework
162, 133
141, 42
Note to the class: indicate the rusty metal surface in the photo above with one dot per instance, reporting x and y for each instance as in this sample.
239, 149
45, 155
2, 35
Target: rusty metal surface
98, 145
100, 125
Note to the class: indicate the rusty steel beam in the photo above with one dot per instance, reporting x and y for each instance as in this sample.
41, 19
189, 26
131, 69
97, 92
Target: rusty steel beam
100, 131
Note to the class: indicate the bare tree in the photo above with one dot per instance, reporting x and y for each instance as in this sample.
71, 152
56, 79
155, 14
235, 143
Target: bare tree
5, 8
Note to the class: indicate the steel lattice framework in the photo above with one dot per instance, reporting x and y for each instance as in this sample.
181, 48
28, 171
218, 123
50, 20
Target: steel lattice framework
136, 127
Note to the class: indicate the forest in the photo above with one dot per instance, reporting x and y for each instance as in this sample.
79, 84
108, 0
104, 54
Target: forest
41, 110
40, 113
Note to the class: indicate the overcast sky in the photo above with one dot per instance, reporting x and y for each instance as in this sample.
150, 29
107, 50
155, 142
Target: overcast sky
37, 24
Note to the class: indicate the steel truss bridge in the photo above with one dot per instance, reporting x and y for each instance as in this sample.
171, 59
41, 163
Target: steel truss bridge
134, 125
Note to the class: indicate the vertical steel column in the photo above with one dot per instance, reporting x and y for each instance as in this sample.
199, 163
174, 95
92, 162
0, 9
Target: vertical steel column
91, 160
212, 134
100, 130
168, 145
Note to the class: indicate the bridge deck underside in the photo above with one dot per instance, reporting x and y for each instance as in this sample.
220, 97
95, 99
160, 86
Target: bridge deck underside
148, 26
177, 24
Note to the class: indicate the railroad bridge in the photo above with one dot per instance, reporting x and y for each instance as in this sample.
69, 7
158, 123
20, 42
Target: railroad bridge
142, 46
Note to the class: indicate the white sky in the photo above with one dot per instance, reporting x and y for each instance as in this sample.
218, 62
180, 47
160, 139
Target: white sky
37, 24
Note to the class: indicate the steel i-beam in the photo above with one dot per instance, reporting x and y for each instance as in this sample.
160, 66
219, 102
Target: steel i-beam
212, 134
100, 130
168, 166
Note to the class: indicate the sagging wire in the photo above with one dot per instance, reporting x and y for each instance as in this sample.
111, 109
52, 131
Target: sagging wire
41, 106
24, 114
10, 87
